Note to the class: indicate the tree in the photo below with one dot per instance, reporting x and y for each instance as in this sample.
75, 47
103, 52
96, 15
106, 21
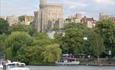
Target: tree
31, 54
2, 42
96, 45
4, 26
15, 42
22, 28
72, 42
43, 50
82, 27
41, 39
106, 28
52, 53
22, 18
58, 37
93, 45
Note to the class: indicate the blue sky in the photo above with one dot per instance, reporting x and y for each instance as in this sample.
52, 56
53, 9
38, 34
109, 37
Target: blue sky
90, 8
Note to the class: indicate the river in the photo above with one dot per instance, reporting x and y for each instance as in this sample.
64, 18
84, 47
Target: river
71, 67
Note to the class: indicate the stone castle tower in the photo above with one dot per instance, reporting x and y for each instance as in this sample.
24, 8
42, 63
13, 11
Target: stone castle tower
48, 16
42, 3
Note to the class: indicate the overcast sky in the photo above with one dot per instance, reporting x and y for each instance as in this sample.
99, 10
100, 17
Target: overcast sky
89, 8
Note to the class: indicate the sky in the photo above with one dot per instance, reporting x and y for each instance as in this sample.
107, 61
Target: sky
90, 8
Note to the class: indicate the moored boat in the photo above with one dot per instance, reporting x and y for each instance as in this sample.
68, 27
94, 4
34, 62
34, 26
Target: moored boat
68, 63
68, 59
15, 66
1, 67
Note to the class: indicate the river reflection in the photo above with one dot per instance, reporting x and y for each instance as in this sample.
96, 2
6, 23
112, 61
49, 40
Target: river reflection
71, 67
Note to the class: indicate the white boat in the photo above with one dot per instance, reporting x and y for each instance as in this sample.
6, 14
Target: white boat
15, 66
68, 63
1, 67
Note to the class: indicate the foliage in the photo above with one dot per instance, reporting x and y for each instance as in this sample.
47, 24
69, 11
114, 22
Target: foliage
72, 42
52, 53
15, 42
26, 45
20, 46
74, 36
31, 54
58, 37
2, 42
106, 28
4, 26
97, 47
22, 18
22, 28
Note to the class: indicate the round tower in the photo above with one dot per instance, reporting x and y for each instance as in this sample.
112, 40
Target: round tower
43, 3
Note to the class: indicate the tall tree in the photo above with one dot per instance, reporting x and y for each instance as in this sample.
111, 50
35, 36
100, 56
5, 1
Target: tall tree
22, 28
2, 43
15, 42
96, 45
106, 28
4, 26
72, 42
52, 53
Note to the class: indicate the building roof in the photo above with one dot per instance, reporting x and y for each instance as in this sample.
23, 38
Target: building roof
87, 19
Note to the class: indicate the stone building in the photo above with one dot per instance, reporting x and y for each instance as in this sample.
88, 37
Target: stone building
113, 19
12, 20
90, 22
26, 20
48, 16
103, 16
76, 18
3, 17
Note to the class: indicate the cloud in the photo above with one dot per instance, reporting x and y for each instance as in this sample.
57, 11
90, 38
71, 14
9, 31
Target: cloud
105, 2
73, 4
82, 12
86, 7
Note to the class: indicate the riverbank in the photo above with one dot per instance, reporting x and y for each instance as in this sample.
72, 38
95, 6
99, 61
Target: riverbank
82, 63
73, 65
101, 62
98, 64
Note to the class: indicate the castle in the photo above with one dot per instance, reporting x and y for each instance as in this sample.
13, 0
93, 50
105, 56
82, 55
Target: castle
48, 17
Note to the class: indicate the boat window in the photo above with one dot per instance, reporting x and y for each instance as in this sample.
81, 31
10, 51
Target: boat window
11, 65
22, 65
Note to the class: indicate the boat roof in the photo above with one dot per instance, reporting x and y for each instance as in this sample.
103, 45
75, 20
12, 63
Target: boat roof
15, 63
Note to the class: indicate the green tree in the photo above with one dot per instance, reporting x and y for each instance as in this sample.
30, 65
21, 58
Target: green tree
93, 45
41, 39
36, 52
22, 28
31, 54
72, 42
106, 28
4, 26
22, 18
96, 45
52, 53
15, 42
58, 37
2, 42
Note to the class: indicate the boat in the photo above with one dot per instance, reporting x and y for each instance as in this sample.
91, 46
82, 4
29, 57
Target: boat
15, 66
1, 67
68, 63
68, 59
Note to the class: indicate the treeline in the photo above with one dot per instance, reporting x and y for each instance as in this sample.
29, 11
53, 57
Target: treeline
22, 43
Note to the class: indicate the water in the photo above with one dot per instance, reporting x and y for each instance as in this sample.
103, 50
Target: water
72, 67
